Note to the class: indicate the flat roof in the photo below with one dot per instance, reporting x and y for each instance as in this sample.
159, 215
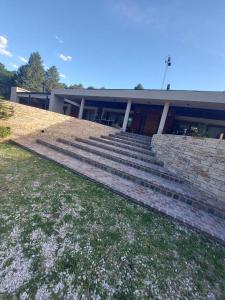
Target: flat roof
175, 97
201, 99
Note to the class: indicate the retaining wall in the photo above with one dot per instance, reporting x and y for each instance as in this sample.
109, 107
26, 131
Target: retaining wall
201, 161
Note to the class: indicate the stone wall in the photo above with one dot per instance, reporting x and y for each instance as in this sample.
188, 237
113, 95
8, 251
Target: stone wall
201, 161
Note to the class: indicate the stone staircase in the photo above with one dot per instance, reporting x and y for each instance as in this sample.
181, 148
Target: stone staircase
128, 158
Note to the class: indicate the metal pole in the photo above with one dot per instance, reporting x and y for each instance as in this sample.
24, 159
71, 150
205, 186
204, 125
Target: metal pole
168, 64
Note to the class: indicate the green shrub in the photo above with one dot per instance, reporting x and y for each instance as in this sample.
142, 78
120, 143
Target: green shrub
6, 110
4, 131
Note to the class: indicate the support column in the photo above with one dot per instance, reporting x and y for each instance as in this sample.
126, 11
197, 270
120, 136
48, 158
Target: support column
126, 116
163, 118
56, 103
81, 110
13, 95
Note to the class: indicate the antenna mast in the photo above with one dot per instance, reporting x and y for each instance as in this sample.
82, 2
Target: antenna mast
168, 64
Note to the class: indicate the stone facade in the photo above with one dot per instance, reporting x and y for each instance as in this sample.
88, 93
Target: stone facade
200, 161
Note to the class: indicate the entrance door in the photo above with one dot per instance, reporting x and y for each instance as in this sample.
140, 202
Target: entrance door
152, 121
146, 120
138, 122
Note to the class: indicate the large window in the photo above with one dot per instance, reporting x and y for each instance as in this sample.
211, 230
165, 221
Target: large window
89, 114
114, 118
35, 102
197, 129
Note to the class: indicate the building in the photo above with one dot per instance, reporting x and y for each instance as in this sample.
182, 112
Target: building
147, 112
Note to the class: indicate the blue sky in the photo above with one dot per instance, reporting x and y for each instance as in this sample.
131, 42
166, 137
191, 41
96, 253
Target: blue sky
119, 43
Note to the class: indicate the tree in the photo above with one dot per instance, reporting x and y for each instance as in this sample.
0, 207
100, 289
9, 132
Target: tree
139, 87
51, 79
7, 79
32, 75
21, 76
90, 88
62, 85
76, 86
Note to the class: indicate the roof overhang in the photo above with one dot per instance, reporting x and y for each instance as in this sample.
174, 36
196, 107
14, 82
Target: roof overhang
196, 99
33, 95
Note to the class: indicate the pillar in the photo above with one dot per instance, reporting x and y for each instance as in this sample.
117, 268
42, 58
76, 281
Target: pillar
81, 110
56, 103
126, 116
13, 95
163, 118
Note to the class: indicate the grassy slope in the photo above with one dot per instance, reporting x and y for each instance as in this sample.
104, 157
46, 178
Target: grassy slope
29, 122
62, 236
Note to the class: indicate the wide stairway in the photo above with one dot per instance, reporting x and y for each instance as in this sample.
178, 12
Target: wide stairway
125, 163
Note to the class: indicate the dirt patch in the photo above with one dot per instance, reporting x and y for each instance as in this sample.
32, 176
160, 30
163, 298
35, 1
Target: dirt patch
33, 122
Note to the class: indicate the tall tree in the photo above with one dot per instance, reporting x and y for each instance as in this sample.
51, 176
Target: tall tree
51, 79
7, 79
139, 87
21, 76
32, 75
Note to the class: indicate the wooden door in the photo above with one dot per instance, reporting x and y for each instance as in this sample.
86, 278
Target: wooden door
146, 120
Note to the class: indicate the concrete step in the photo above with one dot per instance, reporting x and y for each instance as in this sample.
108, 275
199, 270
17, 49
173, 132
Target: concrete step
135, 163
126, 142
127, 153
184, 193
208, 224
129, 141
135, 136
123, 146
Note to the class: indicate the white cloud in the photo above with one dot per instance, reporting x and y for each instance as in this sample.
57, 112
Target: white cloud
65, 57
135, 12
15, 66
45, 66
3, 46
58, 39
62, 75
23, 59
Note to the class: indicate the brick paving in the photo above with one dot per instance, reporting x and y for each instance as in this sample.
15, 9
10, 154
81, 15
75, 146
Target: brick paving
114, 149
146, 142
126, 141
114, 155
121, 145
196, 218
158, 181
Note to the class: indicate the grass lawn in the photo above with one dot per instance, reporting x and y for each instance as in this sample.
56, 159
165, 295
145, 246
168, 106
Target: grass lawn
63, 237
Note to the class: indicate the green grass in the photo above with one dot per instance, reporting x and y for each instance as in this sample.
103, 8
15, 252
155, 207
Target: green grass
4, 131
63, 236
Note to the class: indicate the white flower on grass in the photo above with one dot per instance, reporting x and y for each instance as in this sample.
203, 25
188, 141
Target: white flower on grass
42, 293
